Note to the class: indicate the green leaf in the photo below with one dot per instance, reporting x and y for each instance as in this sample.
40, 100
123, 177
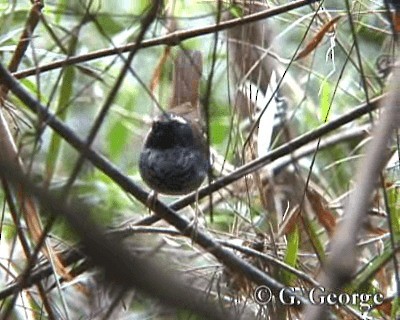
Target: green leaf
66, 90
220, 127
315, 239
325, 102
109, 23
117, 139
394, 206
291, 255
371, 269
236, 11
395, 308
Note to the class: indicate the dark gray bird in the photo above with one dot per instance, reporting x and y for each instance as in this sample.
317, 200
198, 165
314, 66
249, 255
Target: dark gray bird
174, 157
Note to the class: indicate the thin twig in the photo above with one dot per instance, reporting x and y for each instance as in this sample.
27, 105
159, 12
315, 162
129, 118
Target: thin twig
145, 24
171, 39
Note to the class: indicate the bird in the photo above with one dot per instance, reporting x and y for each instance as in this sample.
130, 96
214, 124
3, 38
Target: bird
174, 158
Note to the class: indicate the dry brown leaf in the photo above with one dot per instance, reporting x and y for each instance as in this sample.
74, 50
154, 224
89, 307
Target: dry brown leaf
155, 79
291, 220
10, 154
385, 307
35, 228
375, 230
317, 39
396, 21
324, 215
383, 278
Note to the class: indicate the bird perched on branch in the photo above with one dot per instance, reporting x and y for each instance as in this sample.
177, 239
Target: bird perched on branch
174, 158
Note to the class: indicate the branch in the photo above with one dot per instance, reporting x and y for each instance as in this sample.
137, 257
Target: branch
226, 257
171, 39
342, 262
120, 265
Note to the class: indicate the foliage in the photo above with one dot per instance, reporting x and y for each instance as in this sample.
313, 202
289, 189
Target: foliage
289, 214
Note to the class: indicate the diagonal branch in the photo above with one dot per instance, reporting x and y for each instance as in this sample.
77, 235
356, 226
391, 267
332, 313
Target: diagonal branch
226, 257
145, 24
121, 266
342, 262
